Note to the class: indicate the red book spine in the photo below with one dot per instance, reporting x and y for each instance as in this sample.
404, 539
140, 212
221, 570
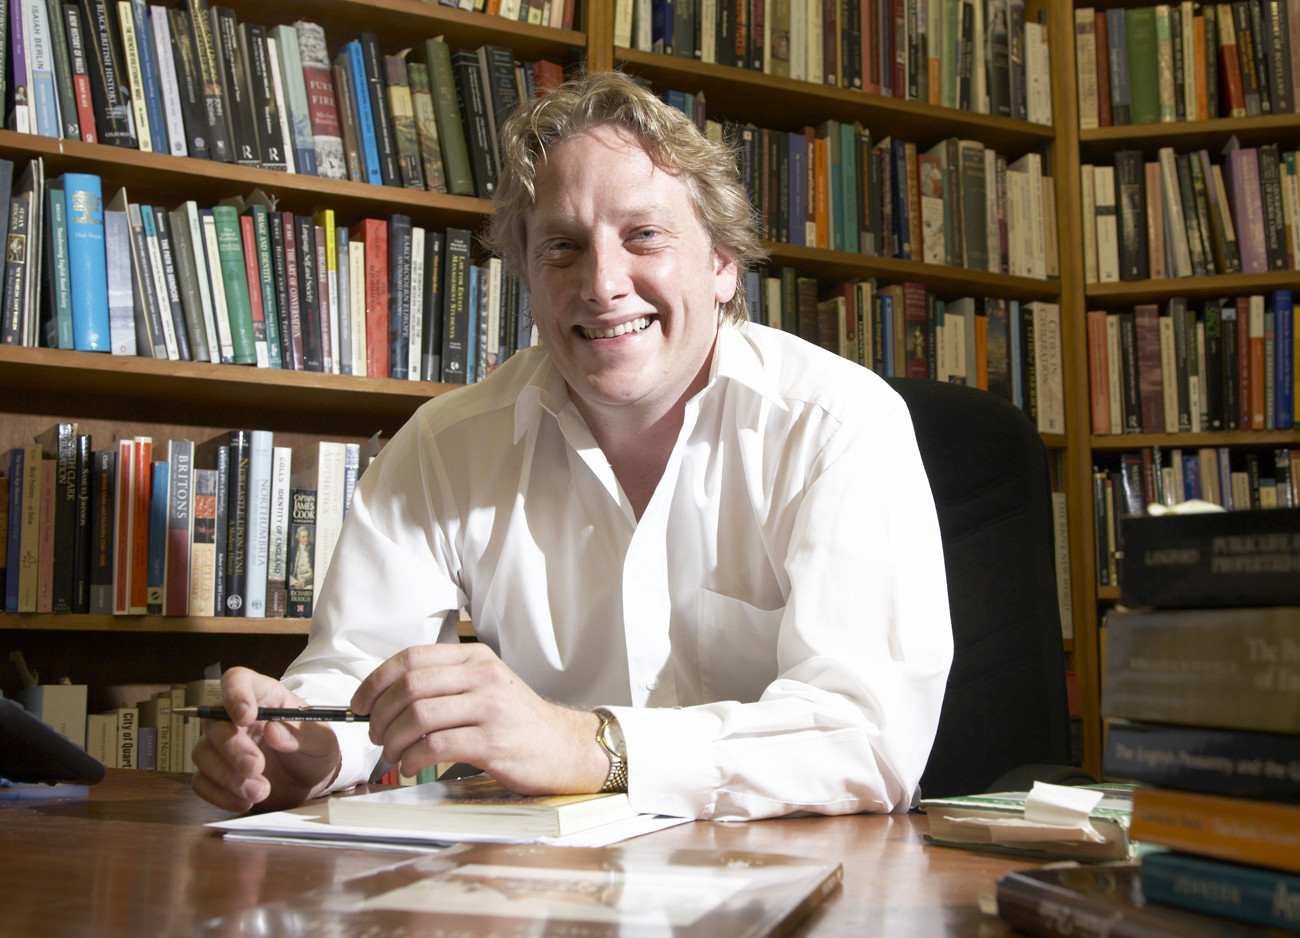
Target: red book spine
249, 237
141, 489
294, 339
374, 233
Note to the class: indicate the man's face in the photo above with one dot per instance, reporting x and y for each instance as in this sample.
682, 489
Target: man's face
623, 283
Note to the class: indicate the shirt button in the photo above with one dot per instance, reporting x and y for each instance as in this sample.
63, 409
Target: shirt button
652, 684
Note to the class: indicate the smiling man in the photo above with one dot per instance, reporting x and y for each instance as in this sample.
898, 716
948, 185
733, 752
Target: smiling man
700, 555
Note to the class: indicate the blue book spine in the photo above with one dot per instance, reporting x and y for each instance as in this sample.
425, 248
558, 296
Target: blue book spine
471, 333
1233, 890
1017, 355
797, 189
157, 564
1284, 363
887, 335
850, 183
899, 195
661, 25
149, 74
87, 264
13, 537
365, 113
1117, 58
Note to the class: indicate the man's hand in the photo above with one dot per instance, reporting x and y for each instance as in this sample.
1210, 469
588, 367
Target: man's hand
242, 762
460, 703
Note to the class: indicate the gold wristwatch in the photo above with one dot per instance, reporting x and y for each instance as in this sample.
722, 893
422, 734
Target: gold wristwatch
610, 738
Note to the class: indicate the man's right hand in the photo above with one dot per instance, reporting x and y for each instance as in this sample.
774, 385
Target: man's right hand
243, 762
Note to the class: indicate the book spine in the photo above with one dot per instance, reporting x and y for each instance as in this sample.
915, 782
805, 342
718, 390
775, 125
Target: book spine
373, 86
258, 524
1240, 830
301, 552
1230, 890
180, 527
168, 81
189, 87
295, 89
252, 280
321, 106
261, 94
309, 296
135, 77
364, 104
235, 574
455, 310
399, 309
234, 279
278, 533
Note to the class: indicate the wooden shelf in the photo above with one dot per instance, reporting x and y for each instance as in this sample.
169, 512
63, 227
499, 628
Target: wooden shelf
1235, 438
179, 625
1152, 291
1100, 143
789, 105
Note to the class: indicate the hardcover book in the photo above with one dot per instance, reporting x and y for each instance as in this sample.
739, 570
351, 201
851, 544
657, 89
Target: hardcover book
1061, 901
1236, 891
479, 806
600, 892
1243, 830
1222, 668
1216, 559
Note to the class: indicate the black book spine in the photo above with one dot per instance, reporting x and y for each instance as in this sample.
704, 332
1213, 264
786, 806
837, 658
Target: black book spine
455, 307
236, 568
204, 50
103, 488
431, 354
1212, 366
1270, 190
388, 168
108, 88
280, 279
81, 550
189, 84
1131, 198
266, 113
70, 126
399, 295
473, 109
234, 86
309, 299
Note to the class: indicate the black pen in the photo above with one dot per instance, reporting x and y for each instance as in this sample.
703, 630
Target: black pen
313, 714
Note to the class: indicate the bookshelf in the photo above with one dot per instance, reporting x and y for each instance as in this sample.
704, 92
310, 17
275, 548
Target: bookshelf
1097, 146
116, 395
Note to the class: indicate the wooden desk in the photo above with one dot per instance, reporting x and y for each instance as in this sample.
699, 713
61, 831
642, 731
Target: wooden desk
133, 859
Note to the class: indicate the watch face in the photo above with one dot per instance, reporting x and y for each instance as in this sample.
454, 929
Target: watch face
612, 737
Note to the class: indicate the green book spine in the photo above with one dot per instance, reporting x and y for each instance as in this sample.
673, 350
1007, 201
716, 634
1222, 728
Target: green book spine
1144, 83
266, 278
230, 249
436, 55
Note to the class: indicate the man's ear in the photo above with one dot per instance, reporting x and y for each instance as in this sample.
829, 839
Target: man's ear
726, 277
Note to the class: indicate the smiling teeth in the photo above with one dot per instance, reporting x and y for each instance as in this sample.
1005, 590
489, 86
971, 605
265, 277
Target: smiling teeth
636, 325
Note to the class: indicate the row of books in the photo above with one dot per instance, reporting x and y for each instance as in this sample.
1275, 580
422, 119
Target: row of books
1237, 480
193, 80
1227, 364
1184, 214
1187, 61
231, 526
245, 283
958, 203
140, 730
976, 55
1010, 348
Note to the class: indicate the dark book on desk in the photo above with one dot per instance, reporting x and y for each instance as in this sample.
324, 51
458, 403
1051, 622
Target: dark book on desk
1216, 559
1226, 668
1242, 830
1213, 761
628, 889
1096, 901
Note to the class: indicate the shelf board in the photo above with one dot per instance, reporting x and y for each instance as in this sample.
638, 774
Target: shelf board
173, 179
235, 386
1246, 438
788, 104
1155, 291
183, 625
842, 265
1101, 142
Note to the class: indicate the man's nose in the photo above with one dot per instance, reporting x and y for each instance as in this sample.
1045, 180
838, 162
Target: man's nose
606, 274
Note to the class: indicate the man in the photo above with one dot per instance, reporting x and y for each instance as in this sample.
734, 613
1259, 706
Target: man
717, 533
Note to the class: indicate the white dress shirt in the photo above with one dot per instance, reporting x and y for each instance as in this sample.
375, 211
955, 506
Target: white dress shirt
772, 633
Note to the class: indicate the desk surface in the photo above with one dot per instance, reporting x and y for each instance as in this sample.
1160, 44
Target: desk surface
133, 859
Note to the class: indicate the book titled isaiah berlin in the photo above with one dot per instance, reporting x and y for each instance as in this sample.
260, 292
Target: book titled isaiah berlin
546, 892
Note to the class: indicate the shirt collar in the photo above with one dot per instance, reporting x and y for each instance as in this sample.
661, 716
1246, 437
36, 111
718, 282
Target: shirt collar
737, 359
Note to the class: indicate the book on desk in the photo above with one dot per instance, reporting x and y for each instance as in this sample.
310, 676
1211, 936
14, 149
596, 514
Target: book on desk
561, 891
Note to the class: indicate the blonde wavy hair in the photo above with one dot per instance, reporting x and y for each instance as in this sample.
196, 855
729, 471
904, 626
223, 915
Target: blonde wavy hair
669, 138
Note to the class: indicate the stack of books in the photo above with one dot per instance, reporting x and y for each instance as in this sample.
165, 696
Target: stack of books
1201, 691
1202, 688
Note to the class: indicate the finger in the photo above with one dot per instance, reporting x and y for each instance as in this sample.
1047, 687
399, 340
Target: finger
399, 665
228, 777
447, 720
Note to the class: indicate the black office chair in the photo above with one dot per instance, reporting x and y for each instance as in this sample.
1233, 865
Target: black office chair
1005, 719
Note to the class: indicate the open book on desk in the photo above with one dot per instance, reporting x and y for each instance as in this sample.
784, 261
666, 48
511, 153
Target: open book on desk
435, 814
635, 889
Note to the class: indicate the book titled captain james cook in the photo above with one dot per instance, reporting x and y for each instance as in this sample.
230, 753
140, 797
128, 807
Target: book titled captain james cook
547, 892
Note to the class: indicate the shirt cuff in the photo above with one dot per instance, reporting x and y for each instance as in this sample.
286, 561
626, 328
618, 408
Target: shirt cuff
670, 759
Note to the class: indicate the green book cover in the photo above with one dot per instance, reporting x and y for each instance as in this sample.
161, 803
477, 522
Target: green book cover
230, 251
1144, 82
436, 56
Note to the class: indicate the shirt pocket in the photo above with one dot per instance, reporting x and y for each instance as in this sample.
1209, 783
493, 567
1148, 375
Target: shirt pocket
737, 643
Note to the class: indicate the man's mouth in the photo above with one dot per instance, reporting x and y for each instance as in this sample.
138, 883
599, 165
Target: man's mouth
623, 328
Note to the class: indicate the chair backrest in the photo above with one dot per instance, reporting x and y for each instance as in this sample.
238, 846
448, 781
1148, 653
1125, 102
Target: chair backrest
1005, 706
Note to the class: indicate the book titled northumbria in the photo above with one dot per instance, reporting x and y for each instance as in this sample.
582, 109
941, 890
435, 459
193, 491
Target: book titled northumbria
479, 806
635, 888
1215, 559
1234, 669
